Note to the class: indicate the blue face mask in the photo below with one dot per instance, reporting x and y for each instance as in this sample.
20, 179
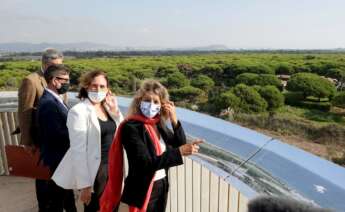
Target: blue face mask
149, 109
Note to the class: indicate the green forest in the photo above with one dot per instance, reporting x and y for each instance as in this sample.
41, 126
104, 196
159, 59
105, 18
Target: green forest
289, 93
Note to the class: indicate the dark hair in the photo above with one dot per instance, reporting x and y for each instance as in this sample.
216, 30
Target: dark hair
86, 79
55, 70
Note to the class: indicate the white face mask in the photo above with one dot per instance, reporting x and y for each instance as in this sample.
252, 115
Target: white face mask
96, 97
149, 109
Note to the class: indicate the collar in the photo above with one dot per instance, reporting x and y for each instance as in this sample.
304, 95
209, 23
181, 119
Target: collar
56, 96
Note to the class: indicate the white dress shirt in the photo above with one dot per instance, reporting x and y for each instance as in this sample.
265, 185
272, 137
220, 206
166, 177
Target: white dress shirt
58, 97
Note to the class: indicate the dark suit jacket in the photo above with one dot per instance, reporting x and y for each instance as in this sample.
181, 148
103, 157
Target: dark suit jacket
53, 132
29, 93
142, 159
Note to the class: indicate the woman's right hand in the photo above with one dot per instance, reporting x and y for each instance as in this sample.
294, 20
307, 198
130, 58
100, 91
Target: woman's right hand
191, 148
85, 195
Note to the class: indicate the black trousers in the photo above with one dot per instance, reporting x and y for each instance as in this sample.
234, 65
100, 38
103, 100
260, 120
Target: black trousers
100, 182
53, 198
159, 195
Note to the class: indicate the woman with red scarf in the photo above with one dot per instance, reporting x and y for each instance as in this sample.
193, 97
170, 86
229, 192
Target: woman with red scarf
151, 150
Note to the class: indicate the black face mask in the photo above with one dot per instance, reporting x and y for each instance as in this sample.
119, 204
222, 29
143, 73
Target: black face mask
63, 89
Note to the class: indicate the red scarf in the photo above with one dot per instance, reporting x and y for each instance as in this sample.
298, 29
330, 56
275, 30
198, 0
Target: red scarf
112, 193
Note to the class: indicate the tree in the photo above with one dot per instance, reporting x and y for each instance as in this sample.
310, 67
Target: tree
260, 69
177, 80
339, 99
186, 69
284, 68
213, 71
273, 97
2, 66
203, 82
258, 79
268, 79
163, 71
233, 70
247, 78
226, 100
186, 94
250, 99
311, 85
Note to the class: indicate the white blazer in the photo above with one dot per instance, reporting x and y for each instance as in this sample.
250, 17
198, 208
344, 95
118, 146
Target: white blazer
79, 166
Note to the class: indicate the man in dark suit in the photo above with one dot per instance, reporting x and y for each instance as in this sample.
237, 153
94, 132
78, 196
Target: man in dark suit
53, 139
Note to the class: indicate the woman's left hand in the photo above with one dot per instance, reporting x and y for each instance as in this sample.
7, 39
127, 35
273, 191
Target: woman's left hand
169, 107
111, 103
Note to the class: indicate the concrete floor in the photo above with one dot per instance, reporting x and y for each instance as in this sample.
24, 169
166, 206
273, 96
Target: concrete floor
17, 194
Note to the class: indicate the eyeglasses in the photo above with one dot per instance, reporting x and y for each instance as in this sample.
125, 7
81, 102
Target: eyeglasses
65, 79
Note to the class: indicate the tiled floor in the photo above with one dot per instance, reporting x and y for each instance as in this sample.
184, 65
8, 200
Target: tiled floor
17, 194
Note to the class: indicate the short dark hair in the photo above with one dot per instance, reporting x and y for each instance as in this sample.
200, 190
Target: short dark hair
55, 70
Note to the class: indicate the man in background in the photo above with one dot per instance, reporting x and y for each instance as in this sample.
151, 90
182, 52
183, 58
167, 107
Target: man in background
29, 93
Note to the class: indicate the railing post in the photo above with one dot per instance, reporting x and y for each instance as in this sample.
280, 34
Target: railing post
4, 168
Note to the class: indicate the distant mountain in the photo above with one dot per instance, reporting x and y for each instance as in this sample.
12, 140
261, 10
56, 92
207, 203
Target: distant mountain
211, 48
30, 47
89, 46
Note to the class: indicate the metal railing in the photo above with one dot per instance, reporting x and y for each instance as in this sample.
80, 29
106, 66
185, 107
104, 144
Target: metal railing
194, 186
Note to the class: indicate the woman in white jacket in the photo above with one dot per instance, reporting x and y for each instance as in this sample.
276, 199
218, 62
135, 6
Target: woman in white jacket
91, 125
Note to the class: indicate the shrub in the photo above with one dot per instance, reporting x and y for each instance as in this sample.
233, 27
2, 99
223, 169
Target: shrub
250, 99
284, 68
186, 94
258, 79
260, 69
203, 82
323, 106
186, 69
213, 71
226, 100
233, 70
268, 79
177, 80
163, 71
339, 99
311, 85
247, 78
2, 66
293, 98
273, 97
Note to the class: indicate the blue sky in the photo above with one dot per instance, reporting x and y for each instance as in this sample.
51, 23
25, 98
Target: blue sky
178, 23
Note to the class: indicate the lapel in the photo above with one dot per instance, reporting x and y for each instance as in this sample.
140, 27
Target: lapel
42, 80
92, 115
62, 109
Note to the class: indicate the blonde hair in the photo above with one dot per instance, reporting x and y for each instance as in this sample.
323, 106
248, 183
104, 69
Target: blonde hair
149, 86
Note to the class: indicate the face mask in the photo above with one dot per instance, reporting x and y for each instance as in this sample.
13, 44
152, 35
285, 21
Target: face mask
97, 97
149, 109
63, 89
